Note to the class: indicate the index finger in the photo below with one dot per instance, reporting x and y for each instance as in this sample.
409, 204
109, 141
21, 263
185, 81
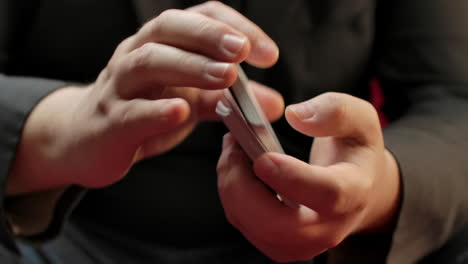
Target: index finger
264, 52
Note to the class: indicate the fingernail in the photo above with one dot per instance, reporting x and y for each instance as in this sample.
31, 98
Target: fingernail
302, 111
217, 70
267, 167
232, 44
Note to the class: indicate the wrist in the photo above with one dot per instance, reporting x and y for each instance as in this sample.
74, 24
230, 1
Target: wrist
37, 163
383, 213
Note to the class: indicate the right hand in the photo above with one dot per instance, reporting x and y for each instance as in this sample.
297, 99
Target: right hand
144, 102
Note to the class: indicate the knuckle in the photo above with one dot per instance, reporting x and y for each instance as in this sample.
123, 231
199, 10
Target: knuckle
169, 13
226, 183
360, 200
186, 60
224, 163
157, 25
115, 61
104, 76
124, 45
213, 5
205, 27
342, 203
231, 157
337, 108
122, 49
210, 8
112, 65
119, 116
338, 198
223, 184
138, 59
115, 66
221, 167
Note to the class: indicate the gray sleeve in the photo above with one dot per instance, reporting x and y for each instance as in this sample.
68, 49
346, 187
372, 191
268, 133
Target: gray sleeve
422, 64
425, 64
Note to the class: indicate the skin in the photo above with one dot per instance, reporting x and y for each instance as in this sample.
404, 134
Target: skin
144, 101
164, 80
350, 185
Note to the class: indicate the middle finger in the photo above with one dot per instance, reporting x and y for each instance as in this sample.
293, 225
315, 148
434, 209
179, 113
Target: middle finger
196, 33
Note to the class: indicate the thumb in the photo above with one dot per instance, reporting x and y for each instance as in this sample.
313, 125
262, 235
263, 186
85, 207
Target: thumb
140, 119
337, 115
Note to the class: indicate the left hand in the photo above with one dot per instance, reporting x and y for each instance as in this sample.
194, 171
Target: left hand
351, 184
159, 84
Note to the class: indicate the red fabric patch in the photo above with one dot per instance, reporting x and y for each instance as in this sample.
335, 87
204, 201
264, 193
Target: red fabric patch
377, 99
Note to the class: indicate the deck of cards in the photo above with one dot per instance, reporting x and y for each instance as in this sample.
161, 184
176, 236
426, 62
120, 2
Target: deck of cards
242, 114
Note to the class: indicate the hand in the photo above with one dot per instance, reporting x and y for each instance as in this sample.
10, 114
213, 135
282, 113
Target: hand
351, 184
158, 85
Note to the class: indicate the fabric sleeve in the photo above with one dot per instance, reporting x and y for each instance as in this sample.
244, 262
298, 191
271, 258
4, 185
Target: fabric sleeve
422, 64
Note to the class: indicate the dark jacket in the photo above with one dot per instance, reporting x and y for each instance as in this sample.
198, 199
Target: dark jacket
418, 50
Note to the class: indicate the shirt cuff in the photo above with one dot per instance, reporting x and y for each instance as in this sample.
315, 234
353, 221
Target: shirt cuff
40, 216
